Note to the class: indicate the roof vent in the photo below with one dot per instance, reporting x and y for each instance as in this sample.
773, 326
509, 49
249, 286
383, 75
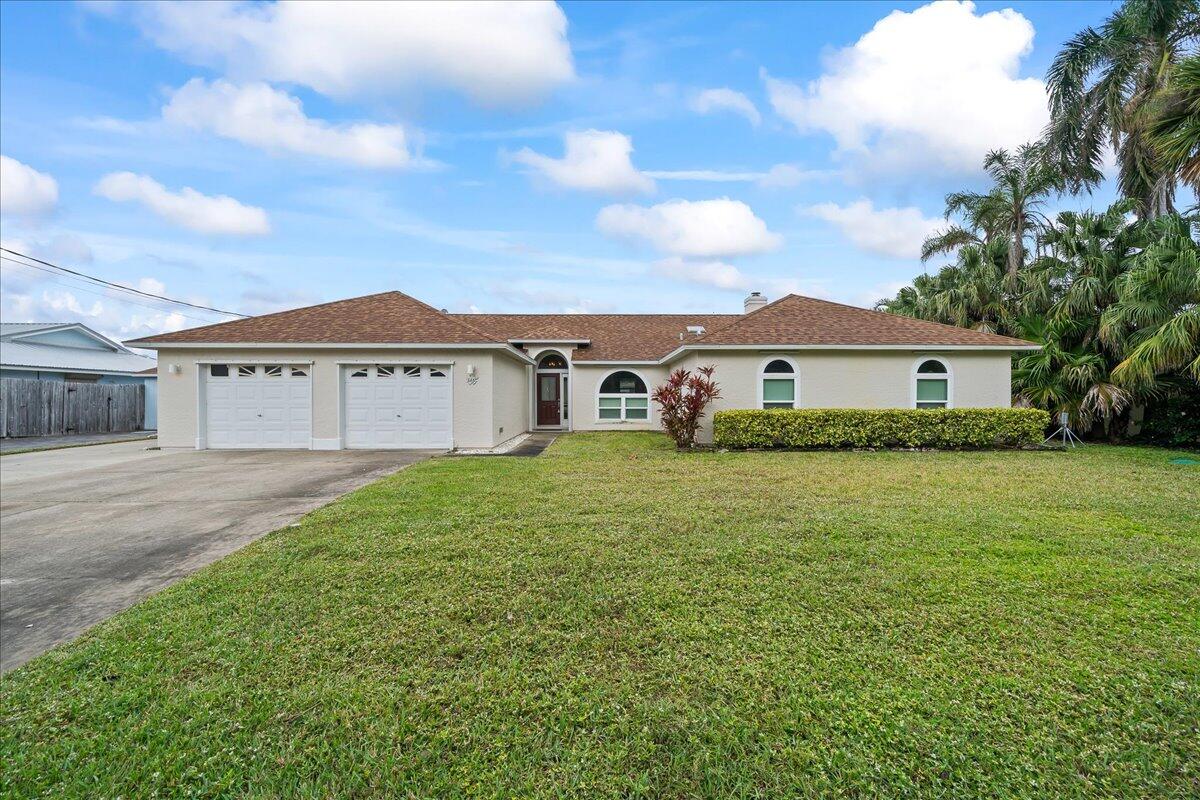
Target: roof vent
754, 302
695, 330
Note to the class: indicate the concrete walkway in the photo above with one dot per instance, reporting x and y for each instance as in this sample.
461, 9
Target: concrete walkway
534, 445
30, 443
86, 532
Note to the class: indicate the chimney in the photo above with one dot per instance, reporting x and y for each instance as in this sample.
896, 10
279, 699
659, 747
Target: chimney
754, 302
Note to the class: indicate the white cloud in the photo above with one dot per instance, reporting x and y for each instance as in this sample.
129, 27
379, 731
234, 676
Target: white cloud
496, 53
779, 176
880, 291
711, 100
938, 86
551, 298
721, 275
894, 232
258, 115
61, 248
27, 296
702, 229
706, 273
24, 190
705, 175
595, 161
783, 176
187, 208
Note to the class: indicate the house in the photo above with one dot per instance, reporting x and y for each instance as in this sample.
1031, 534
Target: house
71, 351
387, 370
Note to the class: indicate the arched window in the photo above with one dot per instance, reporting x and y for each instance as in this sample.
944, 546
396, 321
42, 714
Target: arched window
552, 361
622, 396
777, 384
932, 384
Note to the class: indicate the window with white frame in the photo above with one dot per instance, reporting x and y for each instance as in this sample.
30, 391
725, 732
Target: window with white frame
777, 384
931, 384
623, 397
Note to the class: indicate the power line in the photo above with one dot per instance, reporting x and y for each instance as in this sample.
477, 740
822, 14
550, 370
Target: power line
61, 280
122, 287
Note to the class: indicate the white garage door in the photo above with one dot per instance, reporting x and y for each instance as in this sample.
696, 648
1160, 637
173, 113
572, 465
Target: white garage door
265, 406
398, 405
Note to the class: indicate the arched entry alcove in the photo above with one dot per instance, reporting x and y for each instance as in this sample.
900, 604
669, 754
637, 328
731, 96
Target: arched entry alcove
550, 390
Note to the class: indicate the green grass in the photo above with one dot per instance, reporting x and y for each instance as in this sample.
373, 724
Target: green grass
614, 619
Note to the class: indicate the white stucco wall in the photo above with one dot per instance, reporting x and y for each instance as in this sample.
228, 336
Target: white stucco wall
827, 379
500, 396
585, 386
858, 379
178, 394
510, 398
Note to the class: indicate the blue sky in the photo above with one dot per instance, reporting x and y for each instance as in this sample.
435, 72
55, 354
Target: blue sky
579, 157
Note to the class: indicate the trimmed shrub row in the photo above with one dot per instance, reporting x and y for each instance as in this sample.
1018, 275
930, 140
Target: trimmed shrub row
824, 428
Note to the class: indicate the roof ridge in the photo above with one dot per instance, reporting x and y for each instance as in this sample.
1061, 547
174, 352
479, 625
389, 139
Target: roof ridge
391, 292
446, 314
915, 319
270, 314
585, 316
740, 318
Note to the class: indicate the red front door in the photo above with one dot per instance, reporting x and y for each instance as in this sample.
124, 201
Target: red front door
549, 409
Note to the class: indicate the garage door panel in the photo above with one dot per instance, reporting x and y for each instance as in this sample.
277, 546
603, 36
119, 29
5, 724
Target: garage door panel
404, 407
250, 409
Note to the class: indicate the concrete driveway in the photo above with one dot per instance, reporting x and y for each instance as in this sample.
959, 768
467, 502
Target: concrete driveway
88, 531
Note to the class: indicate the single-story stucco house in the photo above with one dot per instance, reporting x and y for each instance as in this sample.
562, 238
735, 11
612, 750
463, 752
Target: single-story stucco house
71, 351
387, 370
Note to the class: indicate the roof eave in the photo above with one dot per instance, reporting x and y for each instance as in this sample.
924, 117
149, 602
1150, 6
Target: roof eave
519, 340
913, 348
502, 346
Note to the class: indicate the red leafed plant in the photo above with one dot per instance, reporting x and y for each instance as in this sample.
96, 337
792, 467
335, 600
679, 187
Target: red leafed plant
682, 400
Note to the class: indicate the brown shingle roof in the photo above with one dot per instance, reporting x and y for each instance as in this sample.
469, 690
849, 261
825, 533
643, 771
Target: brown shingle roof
396, 318
385, 318
613, 337
796, 320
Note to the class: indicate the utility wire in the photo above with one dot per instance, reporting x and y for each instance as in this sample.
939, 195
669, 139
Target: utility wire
75, 286
122, 287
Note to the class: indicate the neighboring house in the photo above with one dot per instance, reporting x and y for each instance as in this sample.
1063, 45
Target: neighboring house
70, 351
387, 370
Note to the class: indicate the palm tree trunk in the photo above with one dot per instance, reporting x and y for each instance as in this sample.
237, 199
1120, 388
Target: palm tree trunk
1016, 253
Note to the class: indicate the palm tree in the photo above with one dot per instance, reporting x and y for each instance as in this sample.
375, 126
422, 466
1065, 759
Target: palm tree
1104, 87
970, 293
1175, 131
1087, 255
1066, 377
1157, 313
1009, 211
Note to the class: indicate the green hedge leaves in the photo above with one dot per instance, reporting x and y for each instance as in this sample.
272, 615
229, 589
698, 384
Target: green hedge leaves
825, 428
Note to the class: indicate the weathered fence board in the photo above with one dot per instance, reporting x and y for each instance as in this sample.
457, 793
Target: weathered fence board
54, 408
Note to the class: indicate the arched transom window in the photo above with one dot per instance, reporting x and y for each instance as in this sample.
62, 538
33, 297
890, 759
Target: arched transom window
778, 384
552, 361
622, 396
931, 384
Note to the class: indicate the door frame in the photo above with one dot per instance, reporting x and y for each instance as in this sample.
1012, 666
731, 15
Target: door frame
564, 385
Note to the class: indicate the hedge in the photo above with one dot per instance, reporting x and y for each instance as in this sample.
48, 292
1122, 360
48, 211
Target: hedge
825, 428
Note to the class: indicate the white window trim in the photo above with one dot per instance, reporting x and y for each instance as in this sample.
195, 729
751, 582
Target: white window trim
949, 378
763, 375
623, 419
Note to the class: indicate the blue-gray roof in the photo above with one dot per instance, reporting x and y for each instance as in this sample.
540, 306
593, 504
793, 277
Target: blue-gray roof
19, 352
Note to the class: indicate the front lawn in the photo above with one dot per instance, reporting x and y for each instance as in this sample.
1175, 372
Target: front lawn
614, 619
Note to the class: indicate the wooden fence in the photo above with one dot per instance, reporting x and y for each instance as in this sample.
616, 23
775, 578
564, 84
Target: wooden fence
54, 408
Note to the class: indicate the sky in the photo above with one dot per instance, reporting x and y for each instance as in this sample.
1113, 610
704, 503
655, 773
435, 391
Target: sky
578, 157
